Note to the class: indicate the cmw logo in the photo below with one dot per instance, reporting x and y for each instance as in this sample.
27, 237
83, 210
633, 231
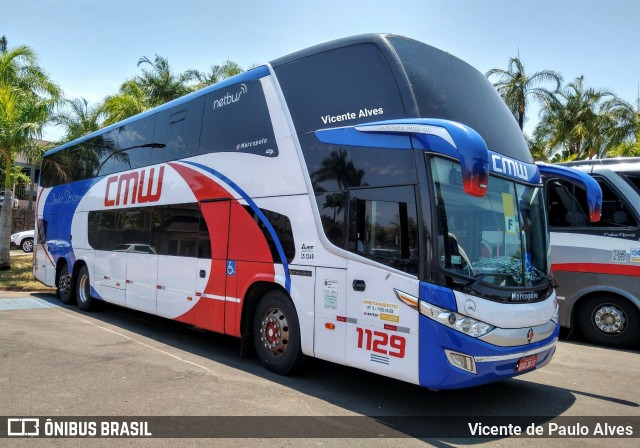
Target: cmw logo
131, 188
230, 98
510, 167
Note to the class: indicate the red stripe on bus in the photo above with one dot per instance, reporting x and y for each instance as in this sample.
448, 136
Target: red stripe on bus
598, 268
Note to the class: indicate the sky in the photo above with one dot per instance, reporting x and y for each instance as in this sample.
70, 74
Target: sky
89, 47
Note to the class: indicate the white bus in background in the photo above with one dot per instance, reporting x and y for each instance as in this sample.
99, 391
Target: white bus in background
597, 264
319, 205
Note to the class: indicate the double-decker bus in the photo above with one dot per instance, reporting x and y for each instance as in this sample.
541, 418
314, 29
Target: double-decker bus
368, 201
597, 265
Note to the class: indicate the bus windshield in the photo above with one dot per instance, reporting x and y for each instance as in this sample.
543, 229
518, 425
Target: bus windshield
500, 239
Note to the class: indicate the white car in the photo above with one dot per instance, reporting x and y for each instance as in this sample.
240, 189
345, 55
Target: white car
23, 240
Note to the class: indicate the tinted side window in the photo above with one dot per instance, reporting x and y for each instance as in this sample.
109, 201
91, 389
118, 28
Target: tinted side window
446, 87
384, 229
568, 206
136, 225
340, 87
83, 163
134, 141
615, 212
177, 132
54, 171
333, 214
106, 229
633, 179
282, 227
338, 168
236, 119
106, 147
176, 229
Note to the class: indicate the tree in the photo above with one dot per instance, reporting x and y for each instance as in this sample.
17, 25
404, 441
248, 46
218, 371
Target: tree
630, 146
583, 122
516, 87
215, 74
131, 100
27, 99
78, 118
159, 83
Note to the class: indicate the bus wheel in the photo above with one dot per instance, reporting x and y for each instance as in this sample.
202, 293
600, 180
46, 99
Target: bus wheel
65, 291
276, 334
610, 321
83, 289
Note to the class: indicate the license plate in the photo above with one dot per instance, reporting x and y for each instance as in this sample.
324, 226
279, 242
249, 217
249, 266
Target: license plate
526, 363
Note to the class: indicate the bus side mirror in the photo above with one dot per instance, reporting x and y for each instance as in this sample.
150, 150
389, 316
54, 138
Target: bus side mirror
594, 193
448, 138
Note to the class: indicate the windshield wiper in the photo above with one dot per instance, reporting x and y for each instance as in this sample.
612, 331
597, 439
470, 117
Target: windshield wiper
471, 286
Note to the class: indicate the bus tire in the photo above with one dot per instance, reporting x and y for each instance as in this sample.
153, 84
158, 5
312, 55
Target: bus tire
83, 289
610, 321
276, 334
65, 285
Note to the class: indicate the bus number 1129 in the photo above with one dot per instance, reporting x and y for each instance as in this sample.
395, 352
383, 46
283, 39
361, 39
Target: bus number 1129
380, 342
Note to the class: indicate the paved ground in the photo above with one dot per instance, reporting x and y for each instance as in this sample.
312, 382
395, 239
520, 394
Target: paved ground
58, 361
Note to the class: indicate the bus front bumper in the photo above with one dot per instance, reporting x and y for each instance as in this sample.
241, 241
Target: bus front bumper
451, 360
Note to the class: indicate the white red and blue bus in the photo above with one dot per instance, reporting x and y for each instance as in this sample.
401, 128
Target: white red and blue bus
368, 201
597, 264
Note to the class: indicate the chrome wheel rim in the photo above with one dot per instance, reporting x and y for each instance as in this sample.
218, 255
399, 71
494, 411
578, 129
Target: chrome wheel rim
84, 288
609, 319
274, 331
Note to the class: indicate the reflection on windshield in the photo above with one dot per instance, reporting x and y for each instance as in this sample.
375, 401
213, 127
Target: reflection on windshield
500, 239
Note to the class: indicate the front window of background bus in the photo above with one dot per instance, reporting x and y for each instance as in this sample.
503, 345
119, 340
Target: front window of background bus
499, 239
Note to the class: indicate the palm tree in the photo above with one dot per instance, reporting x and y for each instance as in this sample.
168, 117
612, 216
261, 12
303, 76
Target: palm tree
338, 167
79, 118
516, 86
27, 98
583, 122
630, 146
159, 83
216, 74
131, 100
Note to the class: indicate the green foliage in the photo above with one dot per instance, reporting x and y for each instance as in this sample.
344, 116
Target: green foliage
577, 121
78, 118
158, 84
584, 122
27, 99
516, 86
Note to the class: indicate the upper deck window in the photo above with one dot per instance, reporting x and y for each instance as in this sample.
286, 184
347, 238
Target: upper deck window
340, 87
446, 87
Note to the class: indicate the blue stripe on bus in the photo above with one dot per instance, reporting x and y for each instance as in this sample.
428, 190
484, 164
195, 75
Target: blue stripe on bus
257, 211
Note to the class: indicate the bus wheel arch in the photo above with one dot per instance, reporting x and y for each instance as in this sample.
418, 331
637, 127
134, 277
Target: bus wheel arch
270, 321
608, 319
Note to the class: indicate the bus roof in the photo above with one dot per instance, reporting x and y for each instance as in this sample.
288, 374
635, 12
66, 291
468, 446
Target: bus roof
613, 164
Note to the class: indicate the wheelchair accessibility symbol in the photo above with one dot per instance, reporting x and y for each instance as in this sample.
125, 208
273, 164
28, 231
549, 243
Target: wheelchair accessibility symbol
231, 267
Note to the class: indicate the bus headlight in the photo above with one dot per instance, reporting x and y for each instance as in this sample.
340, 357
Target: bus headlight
459, 322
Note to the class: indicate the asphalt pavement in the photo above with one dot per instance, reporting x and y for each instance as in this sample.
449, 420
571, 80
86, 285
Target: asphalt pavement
58, 361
